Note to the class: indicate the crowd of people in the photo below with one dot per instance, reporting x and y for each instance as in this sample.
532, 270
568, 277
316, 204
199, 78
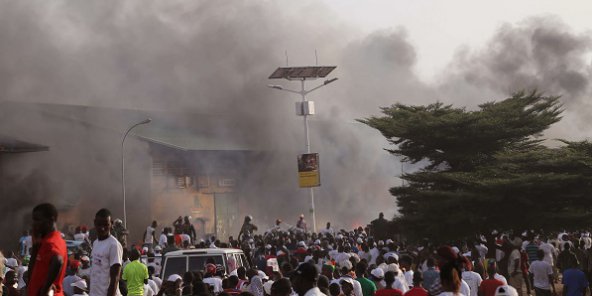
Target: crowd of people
286, 261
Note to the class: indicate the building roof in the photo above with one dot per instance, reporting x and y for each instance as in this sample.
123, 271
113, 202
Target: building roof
12, 145
188, 141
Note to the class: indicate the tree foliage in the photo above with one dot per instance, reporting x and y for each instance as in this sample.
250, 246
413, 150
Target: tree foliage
486, 169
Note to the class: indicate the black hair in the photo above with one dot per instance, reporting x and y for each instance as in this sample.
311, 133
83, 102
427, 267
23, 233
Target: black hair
47, 210
103, 213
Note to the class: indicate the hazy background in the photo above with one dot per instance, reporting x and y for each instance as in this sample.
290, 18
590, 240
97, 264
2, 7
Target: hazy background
207, 63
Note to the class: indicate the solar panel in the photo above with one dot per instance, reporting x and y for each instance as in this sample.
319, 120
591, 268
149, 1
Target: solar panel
302, 72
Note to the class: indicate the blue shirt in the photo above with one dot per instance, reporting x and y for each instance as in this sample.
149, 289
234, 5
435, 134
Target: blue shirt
574, 280
429, 277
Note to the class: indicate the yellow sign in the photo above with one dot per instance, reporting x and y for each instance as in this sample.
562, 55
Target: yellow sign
308, 170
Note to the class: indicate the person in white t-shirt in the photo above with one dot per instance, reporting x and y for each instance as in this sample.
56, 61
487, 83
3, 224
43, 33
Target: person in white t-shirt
472, 278
106, 257
149, 235
542, 273
550, 252
211, 279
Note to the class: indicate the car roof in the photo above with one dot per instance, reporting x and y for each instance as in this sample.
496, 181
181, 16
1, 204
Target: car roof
209, 251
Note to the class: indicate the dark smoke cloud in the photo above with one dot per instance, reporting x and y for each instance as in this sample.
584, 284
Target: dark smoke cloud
196, 60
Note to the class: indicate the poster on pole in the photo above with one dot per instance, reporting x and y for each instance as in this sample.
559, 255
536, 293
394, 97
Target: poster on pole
308, 170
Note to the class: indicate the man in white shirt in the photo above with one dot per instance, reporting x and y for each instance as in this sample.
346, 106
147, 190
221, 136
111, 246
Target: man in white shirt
550, 252
472, 278
542, 273
211, 279
106, 257
305, 280
514, 269
149, 235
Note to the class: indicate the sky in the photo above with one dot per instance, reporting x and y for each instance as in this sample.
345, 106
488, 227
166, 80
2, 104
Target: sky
439, 28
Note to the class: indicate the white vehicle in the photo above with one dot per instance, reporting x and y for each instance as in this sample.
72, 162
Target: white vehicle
179, 262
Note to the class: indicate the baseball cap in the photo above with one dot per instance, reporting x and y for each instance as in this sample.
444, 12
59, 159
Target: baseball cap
377, 273
85, 258
157, 248
81, 284
174, 278
506, 291
11, 262
346, 264
308, 271
210, 268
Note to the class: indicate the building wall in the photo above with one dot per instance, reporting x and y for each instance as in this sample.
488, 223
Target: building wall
189, 184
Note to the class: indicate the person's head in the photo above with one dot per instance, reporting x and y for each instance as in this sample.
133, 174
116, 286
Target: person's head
361, 269
540, 254
134, 254
44, 218
389, 278
10, 278
305, 278
417, 278
323, 283
328, 225
211, 270
233, 281
431, 262
347, 286
154, 224
248, 219
172, 284
103, 223
79, 286
281, 287
449, 278
241, 272
85, 261
491, 268
381, 215
327, 270
405, 262
566, 246
334, 289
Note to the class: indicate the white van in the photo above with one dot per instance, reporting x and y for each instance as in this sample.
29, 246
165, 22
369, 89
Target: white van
179, 262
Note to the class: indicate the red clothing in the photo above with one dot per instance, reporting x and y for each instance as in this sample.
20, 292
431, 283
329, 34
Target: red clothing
417, 291
51, 245
388, 292
488, 286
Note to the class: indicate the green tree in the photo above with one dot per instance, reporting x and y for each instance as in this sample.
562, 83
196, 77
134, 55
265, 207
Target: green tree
486, 168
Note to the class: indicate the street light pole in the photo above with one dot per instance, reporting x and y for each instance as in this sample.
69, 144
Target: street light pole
145, 121
303, 92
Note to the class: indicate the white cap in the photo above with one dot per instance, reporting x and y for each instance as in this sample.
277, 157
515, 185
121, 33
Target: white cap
174, 278
389, 241
85, 258
301, 244
157, 248
317, 242
360, 240
455, 249
506, 291
81, 284
346, 264
11, 262
377, 273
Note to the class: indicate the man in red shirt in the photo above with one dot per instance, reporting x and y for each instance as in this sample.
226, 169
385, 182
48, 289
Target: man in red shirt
489, 285
47, 267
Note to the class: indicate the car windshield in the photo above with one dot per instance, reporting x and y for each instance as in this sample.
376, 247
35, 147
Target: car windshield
198, 263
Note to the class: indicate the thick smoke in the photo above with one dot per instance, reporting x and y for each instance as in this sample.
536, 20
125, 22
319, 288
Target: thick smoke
540, 52
203, 66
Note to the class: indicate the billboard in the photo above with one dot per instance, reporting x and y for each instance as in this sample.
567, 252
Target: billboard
308, 170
